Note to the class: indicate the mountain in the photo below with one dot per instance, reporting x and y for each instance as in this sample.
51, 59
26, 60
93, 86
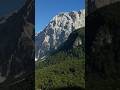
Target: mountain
57, 31
17, 49
102, 48
92, 5
64, 68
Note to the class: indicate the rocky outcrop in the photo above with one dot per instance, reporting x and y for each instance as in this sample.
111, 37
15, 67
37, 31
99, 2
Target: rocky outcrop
17, 48
92, 5
101, 3
102, 41
57, 31
75, 40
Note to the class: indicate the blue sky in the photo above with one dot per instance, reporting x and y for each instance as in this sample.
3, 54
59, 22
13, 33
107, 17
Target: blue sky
46, 9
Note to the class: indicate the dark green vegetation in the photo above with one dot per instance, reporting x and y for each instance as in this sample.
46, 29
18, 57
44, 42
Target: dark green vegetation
103, 48
64, 68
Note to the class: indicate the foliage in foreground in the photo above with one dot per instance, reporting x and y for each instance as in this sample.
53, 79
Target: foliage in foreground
64, 68
69, 73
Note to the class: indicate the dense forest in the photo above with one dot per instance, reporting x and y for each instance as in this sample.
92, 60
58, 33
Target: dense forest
65, 67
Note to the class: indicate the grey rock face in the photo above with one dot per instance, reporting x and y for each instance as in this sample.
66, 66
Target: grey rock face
17, 47
77, 42
103, 47
95, 4
57, 31
101, 3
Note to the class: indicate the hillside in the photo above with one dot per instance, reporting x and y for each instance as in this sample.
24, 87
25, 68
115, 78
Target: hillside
65, 67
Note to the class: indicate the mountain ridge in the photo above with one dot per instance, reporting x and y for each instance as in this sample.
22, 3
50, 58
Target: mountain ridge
57, 31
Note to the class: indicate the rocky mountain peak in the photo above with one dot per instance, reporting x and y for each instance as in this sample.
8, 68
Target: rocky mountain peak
57, 31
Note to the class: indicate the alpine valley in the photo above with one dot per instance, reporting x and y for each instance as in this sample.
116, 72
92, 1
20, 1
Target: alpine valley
60, 53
